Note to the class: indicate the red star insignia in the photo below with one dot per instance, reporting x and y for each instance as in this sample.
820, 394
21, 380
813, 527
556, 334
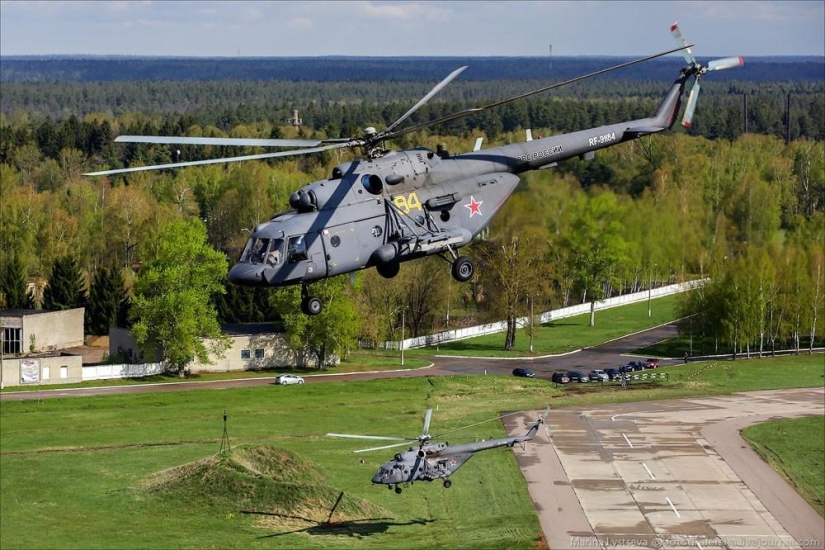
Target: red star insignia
474, 206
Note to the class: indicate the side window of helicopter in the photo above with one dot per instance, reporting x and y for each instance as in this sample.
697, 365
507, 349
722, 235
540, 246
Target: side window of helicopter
372, 183
275, 252
297, 250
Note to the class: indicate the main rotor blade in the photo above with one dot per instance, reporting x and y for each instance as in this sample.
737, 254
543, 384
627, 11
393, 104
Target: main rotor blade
238, 142
439, 436
221, 160
427, 418
426, 98
405, 444
476, 110
379, 437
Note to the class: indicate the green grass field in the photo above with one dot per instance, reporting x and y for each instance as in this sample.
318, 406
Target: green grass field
72, 469
796, 448
565, 335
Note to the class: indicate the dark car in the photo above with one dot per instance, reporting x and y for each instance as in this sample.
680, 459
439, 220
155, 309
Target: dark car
560, 378
634, 366
524, 372
652, 363
577, 376
614, 374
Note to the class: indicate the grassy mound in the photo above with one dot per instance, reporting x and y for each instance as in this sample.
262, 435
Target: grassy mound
261, 480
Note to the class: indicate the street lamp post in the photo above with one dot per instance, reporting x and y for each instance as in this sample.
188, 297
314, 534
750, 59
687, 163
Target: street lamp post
649, 289
532, 323
403, 318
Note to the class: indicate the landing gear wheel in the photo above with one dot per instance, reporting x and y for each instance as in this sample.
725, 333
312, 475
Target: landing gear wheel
311, 305
389, 270
447, 483
397, 490
463, 269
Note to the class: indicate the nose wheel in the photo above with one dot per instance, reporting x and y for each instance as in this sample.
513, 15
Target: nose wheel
310, 305
447, 483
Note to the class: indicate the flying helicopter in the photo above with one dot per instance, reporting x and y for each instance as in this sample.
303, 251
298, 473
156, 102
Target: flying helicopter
394, 206
431, 460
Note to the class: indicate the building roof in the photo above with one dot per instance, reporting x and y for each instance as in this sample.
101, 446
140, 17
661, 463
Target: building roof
248, 329
20, 312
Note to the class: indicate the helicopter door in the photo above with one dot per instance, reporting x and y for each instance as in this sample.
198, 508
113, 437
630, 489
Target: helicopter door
350, 246
306, 253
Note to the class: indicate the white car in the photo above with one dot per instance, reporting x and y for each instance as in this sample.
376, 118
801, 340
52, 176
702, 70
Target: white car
289, 379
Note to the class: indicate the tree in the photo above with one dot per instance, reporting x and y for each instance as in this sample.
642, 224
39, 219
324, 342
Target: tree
598, 246
105, 298
67, 286
327, 335
511, 269
171, 308
13, 291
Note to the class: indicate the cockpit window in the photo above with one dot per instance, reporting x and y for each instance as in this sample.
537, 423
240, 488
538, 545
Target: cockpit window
276, 252
297, 250
259, 251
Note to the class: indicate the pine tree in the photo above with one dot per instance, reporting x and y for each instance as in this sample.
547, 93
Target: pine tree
66, 288
13, 285
105, 296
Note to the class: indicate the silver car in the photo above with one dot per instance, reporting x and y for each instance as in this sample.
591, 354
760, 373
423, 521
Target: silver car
285, 379
599, 375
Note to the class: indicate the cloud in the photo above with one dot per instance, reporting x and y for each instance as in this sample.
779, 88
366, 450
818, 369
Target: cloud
300, 23
404, 11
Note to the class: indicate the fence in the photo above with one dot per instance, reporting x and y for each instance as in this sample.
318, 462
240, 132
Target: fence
126, 370
546, 317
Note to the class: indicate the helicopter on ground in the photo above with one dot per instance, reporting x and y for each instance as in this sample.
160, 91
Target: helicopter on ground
432, 460
394, 206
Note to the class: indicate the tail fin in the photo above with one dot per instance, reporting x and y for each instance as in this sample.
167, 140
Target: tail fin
534, 427
665, 114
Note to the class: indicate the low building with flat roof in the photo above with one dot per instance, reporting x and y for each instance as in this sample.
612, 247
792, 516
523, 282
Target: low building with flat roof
31, 344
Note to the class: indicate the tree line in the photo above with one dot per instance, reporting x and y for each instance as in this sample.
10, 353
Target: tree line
654, 211
369, 69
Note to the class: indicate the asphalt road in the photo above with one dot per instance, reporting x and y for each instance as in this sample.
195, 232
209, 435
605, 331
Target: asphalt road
609, 354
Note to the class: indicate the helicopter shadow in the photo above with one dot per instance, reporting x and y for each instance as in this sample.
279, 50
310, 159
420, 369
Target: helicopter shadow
357, 528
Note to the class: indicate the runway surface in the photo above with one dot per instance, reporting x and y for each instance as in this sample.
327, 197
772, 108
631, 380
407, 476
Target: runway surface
667, 474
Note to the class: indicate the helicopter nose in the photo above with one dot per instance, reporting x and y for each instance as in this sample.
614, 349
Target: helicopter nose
246, 274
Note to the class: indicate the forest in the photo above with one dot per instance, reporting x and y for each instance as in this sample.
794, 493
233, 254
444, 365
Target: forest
742, 208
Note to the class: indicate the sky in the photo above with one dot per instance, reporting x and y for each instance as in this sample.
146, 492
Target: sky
408, 28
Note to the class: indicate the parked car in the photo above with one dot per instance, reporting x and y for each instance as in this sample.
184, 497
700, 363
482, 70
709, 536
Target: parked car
635, 366
577, 376
285, 379
524, 372
614, 374
598, 375
652, 363
560, 378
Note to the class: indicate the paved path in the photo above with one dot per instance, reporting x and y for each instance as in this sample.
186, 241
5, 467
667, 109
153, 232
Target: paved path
667, 474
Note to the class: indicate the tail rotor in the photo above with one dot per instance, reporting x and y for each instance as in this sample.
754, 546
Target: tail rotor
698, 70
